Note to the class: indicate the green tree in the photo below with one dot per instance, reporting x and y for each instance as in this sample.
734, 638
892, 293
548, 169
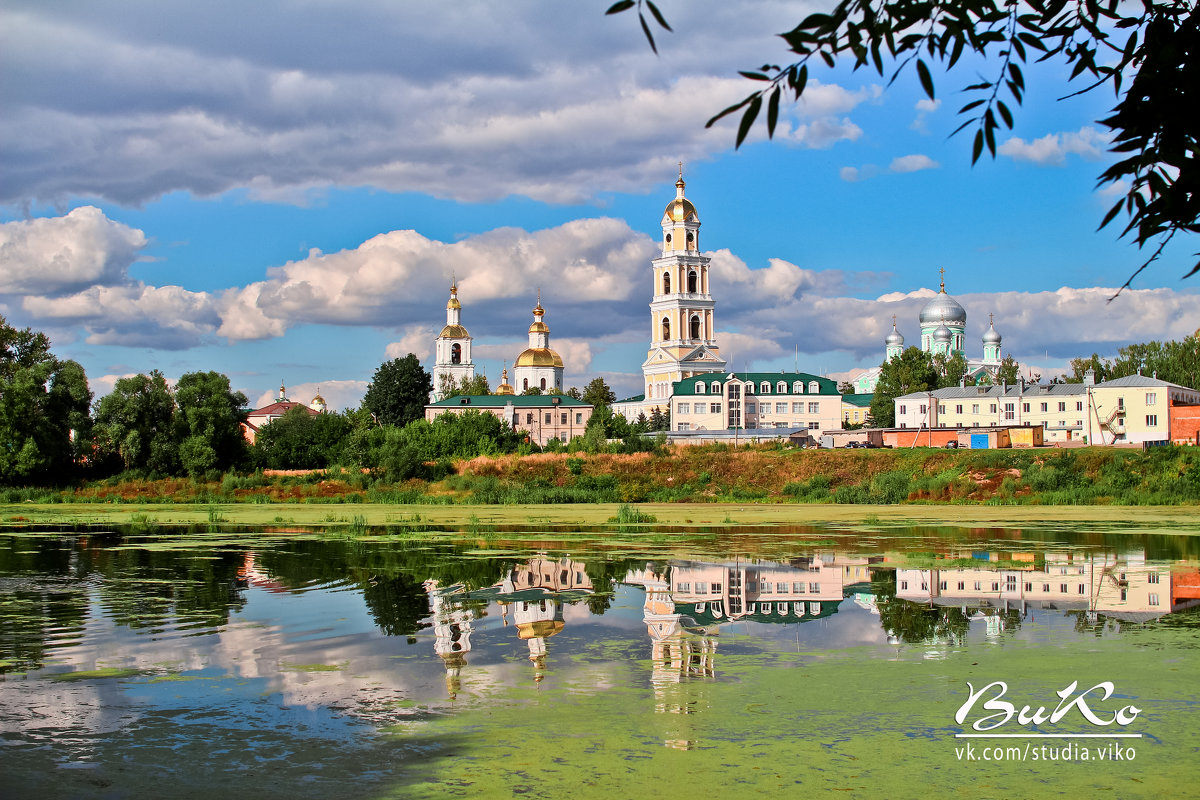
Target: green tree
399, 391
911, 371
1177, 362
135, 425
846, 387
951, 369
533, 390
300, 439
1009, 372
1101, 368
44, 405
598, 393
208, 423
477, 385
1153, 45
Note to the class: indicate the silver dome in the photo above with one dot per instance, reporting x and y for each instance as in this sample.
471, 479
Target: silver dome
942, 334
944, 309
991, 335
895, 337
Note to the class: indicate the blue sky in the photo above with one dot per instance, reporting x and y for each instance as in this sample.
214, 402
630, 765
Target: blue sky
282, 192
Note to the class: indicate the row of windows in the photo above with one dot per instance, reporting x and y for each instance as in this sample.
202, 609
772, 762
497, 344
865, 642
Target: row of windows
549, 418
780, 408
700, 408
763, 388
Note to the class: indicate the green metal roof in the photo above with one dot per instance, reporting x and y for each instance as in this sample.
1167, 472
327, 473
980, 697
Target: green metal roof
707, 617
860, 400
517, 401
687, 386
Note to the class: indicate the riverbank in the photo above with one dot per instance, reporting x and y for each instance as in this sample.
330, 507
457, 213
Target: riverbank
1165, 476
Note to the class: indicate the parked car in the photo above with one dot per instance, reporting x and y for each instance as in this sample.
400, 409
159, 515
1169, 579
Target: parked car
951, 445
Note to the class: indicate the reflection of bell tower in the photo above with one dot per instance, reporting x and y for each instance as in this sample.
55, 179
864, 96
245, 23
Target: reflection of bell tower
537, 621
677, 656
452, 633
452, 348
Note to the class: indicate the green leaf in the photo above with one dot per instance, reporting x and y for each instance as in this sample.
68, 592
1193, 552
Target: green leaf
728, 111
926, 78
754, 76
649, 36
977, 148
748, 118
970, 105
1005, 114
658, 17
773, 112
618, 7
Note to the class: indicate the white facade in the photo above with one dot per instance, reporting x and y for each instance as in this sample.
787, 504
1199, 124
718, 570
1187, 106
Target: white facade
538, 366
452, 349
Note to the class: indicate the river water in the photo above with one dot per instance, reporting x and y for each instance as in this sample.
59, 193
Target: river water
549, 663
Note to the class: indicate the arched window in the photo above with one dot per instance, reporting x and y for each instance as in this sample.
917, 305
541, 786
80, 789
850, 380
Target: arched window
716, 387
814, 387
666, 283
695, 326
749, 388
781, 388
666, 329
456, 353
692, 281
764, 388
798, 387
525, 384
543, 384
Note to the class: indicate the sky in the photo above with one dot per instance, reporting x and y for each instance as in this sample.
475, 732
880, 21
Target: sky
282, 191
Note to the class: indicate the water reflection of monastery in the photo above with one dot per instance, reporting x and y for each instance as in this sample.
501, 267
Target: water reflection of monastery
532, 593
1120, 586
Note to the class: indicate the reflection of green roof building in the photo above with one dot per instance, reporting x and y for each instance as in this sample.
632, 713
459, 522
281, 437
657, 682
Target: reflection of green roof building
714, 613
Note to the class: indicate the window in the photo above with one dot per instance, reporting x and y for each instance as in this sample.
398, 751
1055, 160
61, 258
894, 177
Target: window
579, 418
958, 408
941, 409
797, 408
942, 586
797, 387
699, 387
701, 408
814, 408
716, 588
525, 383
978, 586
562, 418
1045, 407
1151, 420
1045, 587
812, 426
974, 408
683, 426
1151, 398
765, 588
1008, 411
529, 419
1062, 406
962, 585
1010, 583
456, 354
1152, 599
683, 408
797, 587
1062, 587
695, 327
781, 588
683, 586
1152, 577
666, 283
666, 328
716, 387
814, 588
1079, 405
692, 281
1121, 403
1025, 408
701, 588
780, 388
749, 388
995, 586
903, 585
1124, 594
1028, 587
992, 410
750, 407
549, 417
903, 409
715, 408
924, 408
781, 408
1081, 589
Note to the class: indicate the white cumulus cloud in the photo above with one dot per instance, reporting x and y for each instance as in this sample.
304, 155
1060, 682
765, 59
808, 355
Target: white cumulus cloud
1052, 149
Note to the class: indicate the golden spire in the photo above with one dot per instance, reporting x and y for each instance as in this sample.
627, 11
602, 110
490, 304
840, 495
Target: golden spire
942, 271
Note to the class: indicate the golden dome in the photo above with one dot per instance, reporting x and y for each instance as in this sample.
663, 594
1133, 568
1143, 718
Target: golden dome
453, 301
541, 629
538, 357
454, 332
680, 210
539, 327
505, 387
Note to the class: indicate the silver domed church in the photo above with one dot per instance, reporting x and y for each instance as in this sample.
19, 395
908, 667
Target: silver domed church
943, 330
452, 349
